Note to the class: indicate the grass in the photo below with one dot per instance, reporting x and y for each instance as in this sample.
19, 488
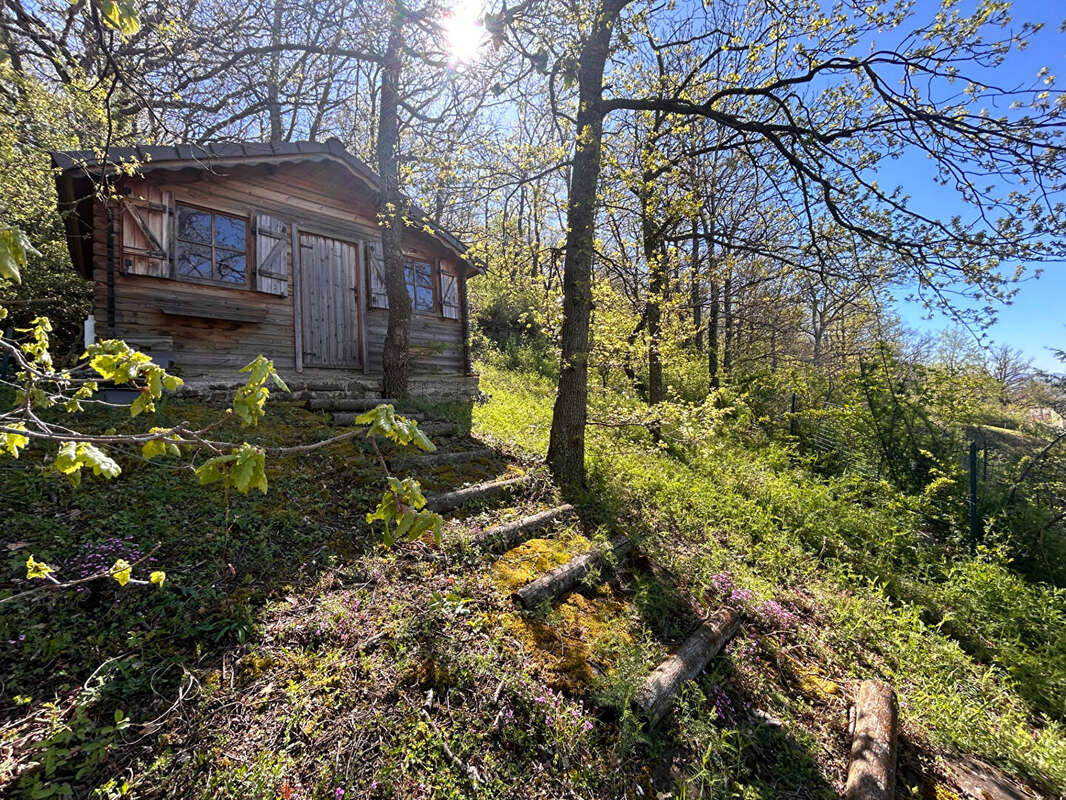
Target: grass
975, 650
290, 655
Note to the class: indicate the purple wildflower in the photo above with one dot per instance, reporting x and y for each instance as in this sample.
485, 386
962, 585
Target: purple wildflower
722, 582
741, 597
773, 613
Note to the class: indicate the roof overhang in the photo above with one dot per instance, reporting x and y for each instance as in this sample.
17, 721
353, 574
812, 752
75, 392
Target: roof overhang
77, 171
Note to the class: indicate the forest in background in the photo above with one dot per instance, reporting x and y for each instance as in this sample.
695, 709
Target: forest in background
743, 243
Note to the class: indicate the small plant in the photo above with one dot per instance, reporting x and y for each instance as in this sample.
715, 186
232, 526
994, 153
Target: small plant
402, 506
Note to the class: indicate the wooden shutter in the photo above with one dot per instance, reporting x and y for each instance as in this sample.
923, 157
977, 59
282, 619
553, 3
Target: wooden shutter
379, 296
271, 255
449, 294
145, 218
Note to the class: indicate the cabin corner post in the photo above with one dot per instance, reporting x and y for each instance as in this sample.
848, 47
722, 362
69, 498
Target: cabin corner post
297, 300
464, 311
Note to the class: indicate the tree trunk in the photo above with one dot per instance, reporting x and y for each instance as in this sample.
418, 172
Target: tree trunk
273, 90
695, 293
395, 356
566, 449
727, 303
713, 311
656, 285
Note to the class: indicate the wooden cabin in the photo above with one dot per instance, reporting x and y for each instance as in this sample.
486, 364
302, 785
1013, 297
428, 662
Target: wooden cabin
213, 254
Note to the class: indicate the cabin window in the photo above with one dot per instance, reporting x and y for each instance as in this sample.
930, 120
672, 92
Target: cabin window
419, 278
211, 247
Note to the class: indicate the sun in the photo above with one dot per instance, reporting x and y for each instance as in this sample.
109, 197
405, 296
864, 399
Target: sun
464, 31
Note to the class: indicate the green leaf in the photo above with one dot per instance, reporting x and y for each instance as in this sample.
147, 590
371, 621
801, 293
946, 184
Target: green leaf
11, 441
73, 456
120, 15
243, 469
160, 447
250, 400
384, 421
15, 247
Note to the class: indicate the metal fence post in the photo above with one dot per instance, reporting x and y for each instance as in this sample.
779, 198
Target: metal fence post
975, 522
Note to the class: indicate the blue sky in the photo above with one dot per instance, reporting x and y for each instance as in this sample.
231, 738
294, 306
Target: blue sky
1036, 319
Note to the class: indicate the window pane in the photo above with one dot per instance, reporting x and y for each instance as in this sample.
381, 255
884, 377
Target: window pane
229, 232
424, 274
194, 261
230, 266
423, 300
194, 225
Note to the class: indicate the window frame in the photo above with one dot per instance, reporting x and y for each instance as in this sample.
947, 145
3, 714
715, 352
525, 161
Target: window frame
434, 271
248, 252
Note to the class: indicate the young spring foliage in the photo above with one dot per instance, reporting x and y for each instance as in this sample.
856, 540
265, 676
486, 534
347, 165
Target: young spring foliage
403, 507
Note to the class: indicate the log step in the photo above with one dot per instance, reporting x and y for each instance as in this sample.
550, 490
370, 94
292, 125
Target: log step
347, 403
348, 417
872, 770
566, 577
426, 460
438, 428
482, 491
654, 698
511, 534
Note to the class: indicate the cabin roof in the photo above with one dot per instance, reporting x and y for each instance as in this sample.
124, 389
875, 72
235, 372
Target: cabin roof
76, 167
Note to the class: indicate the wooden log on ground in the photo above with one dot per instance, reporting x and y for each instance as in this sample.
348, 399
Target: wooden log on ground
438, 428
511, 534
408, 463
471, 494
564, 578
347, 403
872, 771
689, 660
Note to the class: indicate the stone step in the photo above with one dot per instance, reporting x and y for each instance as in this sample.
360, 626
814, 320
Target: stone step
348, 403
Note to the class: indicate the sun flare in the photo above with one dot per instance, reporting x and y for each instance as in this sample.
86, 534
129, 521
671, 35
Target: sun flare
464, 30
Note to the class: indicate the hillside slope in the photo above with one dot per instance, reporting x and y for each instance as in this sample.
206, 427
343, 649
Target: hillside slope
290, 655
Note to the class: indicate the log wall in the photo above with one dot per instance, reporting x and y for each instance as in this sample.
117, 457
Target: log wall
222, 328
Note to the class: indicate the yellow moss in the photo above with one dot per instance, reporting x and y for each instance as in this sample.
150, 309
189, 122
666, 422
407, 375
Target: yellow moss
532, 559
942, 792
814, 685
929, 788
581, 631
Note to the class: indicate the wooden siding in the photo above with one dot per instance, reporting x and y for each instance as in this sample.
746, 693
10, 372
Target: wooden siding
313, 199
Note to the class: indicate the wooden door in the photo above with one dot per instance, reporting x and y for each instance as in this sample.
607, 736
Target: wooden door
329, 302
